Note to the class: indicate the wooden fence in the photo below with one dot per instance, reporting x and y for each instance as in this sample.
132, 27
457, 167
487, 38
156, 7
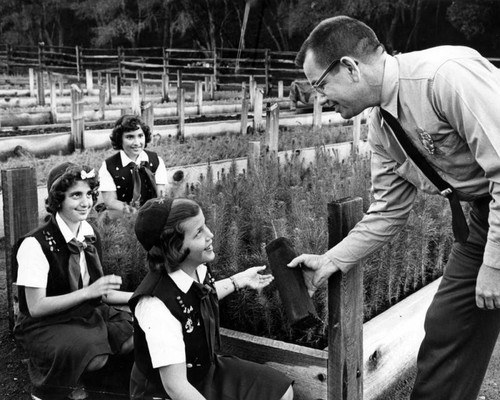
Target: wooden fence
361, 361
221, 67
344, 380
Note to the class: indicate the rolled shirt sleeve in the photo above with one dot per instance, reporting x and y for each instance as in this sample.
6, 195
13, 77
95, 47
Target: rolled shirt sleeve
161, 177
163, 332
33, 267
106, 182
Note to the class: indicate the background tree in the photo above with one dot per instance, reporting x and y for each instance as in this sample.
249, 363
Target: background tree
402, 25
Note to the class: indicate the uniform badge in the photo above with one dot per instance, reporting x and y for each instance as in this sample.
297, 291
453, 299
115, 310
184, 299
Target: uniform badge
426, 140
189, 325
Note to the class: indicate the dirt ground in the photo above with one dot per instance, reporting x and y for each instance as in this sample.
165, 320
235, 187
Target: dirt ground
15, 385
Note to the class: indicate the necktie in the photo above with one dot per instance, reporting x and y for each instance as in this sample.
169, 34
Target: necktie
459, 223
137, 170
94, 266
209, 313
75, 278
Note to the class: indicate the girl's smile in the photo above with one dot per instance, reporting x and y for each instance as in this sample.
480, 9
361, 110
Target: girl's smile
133, 143
198, 239
77, 203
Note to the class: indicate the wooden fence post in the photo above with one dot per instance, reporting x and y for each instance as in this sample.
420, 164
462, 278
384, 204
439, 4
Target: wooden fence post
207, 83
108, 88
53, 98
78, 63
317, 110
147, 113
164, 87
280, 89
267, 61
244, 109
272, 129
40, 87
120, 72
253, 160
102, 101
142, 87
179, 78
41, 47
214, 80
257, 110
180, 113
199, 96
345, 310
20, 215
61, 86
31, 73
77, 118
135, 98
89, 80
251, 89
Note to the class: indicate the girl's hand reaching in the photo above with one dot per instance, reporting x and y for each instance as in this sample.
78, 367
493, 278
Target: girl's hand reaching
251, 278
103, 286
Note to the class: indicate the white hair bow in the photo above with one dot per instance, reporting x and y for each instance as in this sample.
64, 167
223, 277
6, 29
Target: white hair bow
86, 175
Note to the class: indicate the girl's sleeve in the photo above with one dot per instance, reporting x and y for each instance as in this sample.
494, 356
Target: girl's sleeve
161, 177
163, 332
106, 182
33, 267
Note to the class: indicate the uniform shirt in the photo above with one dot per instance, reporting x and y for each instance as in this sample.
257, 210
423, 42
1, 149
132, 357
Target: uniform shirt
107, 184
448, 106
163, 331
33, 267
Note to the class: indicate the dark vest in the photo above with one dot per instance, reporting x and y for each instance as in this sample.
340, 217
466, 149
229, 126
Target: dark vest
57, 253
185, 307
122, 176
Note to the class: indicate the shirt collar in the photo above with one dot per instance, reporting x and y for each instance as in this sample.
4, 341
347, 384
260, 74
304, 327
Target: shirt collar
184, 281
126, 160
85, 230
390, 86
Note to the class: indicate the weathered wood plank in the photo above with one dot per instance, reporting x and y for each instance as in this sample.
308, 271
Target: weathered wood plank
391, 341
345, 310
305, 365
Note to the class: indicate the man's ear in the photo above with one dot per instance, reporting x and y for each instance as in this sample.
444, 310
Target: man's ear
352, 66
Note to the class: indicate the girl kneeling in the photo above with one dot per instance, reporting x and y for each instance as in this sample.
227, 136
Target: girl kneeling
177, 315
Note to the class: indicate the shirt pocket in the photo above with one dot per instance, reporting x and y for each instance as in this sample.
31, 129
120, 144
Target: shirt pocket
444, 144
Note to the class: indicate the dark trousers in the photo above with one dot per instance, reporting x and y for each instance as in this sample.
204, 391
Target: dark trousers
459, 337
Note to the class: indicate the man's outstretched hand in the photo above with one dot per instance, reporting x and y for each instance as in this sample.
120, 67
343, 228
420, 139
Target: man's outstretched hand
316, 269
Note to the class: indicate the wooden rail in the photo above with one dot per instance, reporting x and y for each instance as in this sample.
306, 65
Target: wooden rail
226, 67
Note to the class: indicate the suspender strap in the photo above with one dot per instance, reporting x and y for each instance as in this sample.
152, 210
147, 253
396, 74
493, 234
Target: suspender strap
459, 223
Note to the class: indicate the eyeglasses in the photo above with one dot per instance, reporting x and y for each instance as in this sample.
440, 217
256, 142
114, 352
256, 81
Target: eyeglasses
319, 82
317, 85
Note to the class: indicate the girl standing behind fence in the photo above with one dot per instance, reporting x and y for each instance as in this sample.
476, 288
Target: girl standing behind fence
133, 175
65, 323
177, 315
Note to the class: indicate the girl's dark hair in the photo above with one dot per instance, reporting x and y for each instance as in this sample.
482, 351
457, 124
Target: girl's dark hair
59, 187
169, 255
128, 123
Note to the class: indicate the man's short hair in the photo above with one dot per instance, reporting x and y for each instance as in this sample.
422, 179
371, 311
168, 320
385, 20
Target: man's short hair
337, 37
